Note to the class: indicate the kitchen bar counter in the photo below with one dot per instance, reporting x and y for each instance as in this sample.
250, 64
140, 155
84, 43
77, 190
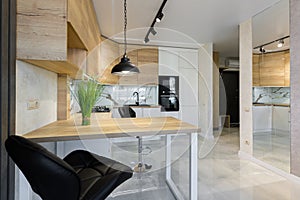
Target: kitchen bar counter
105, 127
140, 106
270, 104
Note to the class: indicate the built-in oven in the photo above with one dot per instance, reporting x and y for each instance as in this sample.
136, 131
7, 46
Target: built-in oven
169, 93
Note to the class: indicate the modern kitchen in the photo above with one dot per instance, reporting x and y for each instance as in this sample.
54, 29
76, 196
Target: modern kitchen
187, 120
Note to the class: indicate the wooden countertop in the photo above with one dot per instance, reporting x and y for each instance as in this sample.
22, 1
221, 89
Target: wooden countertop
140, 106
269, 104
102, 127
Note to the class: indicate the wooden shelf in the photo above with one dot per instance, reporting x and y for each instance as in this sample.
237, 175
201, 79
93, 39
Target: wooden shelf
57, 35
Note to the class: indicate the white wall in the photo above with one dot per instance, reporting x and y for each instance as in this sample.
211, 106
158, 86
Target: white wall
246, 135
206, 90
34, 83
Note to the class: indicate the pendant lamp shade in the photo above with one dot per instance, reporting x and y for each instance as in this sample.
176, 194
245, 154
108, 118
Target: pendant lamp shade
125, 67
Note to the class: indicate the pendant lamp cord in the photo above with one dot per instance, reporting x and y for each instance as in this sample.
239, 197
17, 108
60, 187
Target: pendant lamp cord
125, 27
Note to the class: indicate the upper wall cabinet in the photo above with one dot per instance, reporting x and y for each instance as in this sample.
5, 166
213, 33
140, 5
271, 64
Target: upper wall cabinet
146, 59
271, 69
57, 34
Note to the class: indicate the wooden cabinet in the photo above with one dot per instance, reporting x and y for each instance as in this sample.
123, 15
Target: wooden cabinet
56, 35
271, 69
146, 59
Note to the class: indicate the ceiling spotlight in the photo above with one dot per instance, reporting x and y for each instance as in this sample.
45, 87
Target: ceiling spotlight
280, 43
262, 50
153, 31
146, 40
159, 17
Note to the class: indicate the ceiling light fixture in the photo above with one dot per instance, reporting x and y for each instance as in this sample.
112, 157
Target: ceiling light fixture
153, 31
125, 67
280, 43
158, 18
262, 50
146, 40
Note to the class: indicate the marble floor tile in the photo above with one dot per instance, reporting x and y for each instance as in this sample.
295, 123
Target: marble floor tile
222, 174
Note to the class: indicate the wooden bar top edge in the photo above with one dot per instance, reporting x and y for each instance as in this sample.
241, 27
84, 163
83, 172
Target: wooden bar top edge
66, 130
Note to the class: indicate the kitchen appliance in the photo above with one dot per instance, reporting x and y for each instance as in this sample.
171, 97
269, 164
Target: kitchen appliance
100, 109
168, 93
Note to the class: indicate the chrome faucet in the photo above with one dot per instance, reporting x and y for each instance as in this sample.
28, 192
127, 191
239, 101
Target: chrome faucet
137, 101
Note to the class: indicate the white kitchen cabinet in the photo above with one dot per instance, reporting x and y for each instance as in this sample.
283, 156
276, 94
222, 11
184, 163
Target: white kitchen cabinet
139, 112
182, 63
262, 118
168, 62
190, 114
151, 112
188, 59
174, 114
281, 118
188, 87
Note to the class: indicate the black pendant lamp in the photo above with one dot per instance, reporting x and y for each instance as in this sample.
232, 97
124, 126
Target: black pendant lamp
125, 67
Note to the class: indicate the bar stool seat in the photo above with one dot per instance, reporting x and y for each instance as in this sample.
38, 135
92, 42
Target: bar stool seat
81, 175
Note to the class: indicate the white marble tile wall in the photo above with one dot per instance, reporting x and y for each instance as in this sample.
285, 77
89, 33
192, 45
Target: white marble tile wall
121, 95
271, 95
124, 95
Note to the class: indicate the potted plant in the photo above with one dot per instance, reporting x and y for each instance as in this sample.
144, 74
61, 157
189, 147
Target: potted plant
87, 94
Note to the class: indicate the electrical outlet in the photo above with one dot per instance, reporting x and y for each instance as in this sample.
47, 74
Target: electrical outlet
33, 104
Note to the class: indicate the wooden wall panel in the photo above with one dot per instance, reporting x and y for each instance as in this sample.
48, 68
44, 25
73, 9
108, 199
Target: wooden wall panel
256, 70
271, 69
109, 57
287, 72
148, 73
63, 97
41, 30
82, 17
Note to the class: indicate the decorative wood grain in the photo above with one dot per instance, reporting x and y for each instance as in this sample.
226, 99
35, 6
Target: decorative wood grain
146, 59
63, 97
148, 73
41, 30
74, 66
74, 40
287, 72
82, 17
255, 70
109, 57
71, 129
149, 55
271, 69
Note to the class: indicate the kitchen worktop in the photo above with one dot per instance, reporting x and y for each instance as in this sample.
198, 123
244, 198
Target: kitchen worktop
271, 104
105, 127
139, 106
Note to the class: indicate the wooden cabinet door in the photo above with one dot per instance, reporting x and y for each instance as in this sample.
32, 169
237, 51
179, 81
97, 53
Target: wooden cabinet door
271, 69
146, 60
287, 69
255, 70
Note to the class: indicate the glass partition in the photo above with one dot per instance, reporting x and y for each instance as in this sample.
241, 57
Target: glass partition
271, 86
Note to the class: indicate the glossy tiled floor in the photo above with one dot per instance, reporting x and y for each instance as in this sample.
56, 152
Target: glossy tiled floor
222, 175
273, 149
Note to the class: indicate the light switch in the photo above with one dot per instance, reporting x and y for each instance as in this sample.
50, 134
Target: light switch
247, 109
33, 104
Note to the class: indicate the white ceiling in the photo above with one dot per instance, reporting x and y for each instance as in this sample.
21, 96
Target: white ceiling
185, 21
